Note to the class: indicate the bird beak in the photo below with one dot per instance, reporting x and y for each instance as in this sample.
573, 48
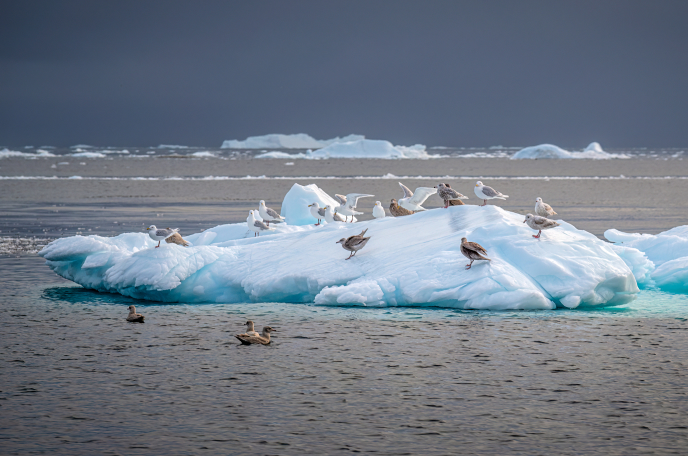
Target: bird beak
524, 221
147, 229
476, 185
309, 205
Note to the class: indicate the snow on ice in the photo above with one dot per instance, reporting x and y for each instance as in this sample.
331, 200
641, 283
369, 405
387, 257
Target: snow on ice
278, 141
593, 151
363, 148
409, 261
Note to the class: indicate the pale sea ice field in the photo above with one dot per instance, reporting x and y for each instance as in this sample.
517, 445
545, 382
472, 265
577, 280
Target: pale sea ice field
77, 379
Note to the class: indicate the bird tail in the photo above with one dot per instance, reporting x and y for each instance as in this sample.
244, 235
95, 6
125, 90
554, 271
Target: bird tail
363, 232
503, 197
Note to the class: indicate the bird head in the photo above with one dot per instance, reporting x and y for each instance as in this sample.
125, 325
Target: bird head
314, 204
248, 323
377, 203
341, 241
394, 201
538, 199
262, 203
478, 184
268, 329
152, 227
528, 217
132, 308
464, 240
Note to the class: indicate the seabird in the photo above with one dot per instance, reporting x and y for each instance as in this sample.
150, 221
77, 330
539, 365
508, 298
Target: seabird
133, 316
543, 209
331, 215
263, 339
448, 194
177, 238
539, 223
160, 234
317, 212
347, 204
412, 201
257, 226
487, 193
354, 243
269, 215
250, 330
378, 210
398, 211
473, 251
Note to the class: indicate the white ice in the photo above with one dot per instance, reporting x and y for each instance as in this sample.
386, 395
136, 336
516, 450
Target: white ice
663, 257
593, 151
7, 153
409, 261
279, 141
363, 148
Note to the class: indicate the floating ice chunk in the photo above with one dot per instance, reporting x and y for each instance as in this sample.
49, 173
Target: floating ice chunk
87, 154
409, 261
295, 205
593, 151
172, 146
204, 154
6, 153
278, 141
364, 148
668, 251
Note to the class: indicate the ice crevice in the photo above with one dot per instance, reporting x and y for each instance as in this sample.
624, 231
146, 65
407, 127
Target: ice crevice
409, 261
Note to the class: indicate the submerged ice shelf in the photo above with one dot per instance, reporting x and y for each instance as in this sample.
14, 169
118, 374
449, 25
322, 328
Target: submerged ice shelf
409, 261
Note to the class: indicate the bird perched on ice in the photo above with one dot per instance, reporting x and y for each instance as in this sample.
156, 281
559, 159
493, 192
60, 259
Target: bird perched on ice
257, 226
378, 210
543, 209
133, 316
263, 339
354, 243
317, 212
347, 204
177, 238
398, 211
331, 215
268, 215
448, 194
539, 223
473, 251
412, 201
250, 329
160, 234
487, 193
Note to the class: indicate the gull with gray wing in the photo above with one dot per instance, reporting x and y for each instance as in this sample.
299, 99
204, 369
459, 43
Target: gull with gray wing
317, 212
412, 201
348, 203
257, 226
487, 193
268, 215
160, 234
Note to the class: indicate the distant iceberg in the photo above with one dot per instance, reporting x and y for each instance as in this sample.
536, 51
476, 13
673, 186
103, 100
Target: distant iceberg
362, 148
593, 151
410, 261
663, 256
278, 141
6, 153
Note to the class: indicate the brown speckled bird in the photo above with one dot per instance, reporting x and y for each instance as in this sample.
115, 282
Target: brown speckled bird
450, 196
263, 339
354, 243
398, 211
177, 238
473, 251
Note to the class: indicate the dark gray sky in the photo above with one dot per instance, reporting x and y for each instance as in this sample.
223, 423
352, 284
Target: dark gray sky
453, 73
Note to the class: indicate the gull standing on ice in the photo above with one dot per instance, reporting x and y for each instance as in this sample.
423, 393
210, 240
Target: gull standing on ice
354, 243
347, 204
398, 211
448, 194
263, 339
412, 201
331, 215
487, 193
473, 251
250, 329
317, 212
543, 209
539, 223
133, 316
257, 226
269, 215
378, 210
160, 234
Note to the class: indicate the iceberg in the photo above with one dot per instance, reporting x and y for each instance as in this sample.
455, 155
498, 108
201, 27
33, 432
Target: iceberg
7, 153
663, 255
362, 148
593, 151
279, 141
409, 261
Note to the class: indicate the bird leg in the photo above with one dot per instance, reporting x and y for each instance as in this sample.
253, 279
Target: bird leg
468, 266
350, 255
157, 245
446, 204
484, 203
538, 235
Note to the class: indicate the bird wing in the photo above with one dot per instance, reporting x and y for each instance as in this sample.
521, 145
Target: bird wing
489, 191
272, 213
546, 223
337, 218
549, 209
321, 212
341, 199
422, 193
475, 247
261, 225
164, 232
407, 191
352, 199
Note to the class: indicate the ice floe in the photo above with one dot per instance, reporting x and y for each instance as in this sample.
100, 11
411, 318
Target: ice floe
362, 148
593, 151
663, 256
7, 153
279, 141
409, 261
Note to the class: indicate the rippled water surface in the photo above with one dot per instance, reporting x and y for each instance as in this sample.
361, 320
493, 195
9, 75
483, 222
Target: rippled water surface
76, 378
